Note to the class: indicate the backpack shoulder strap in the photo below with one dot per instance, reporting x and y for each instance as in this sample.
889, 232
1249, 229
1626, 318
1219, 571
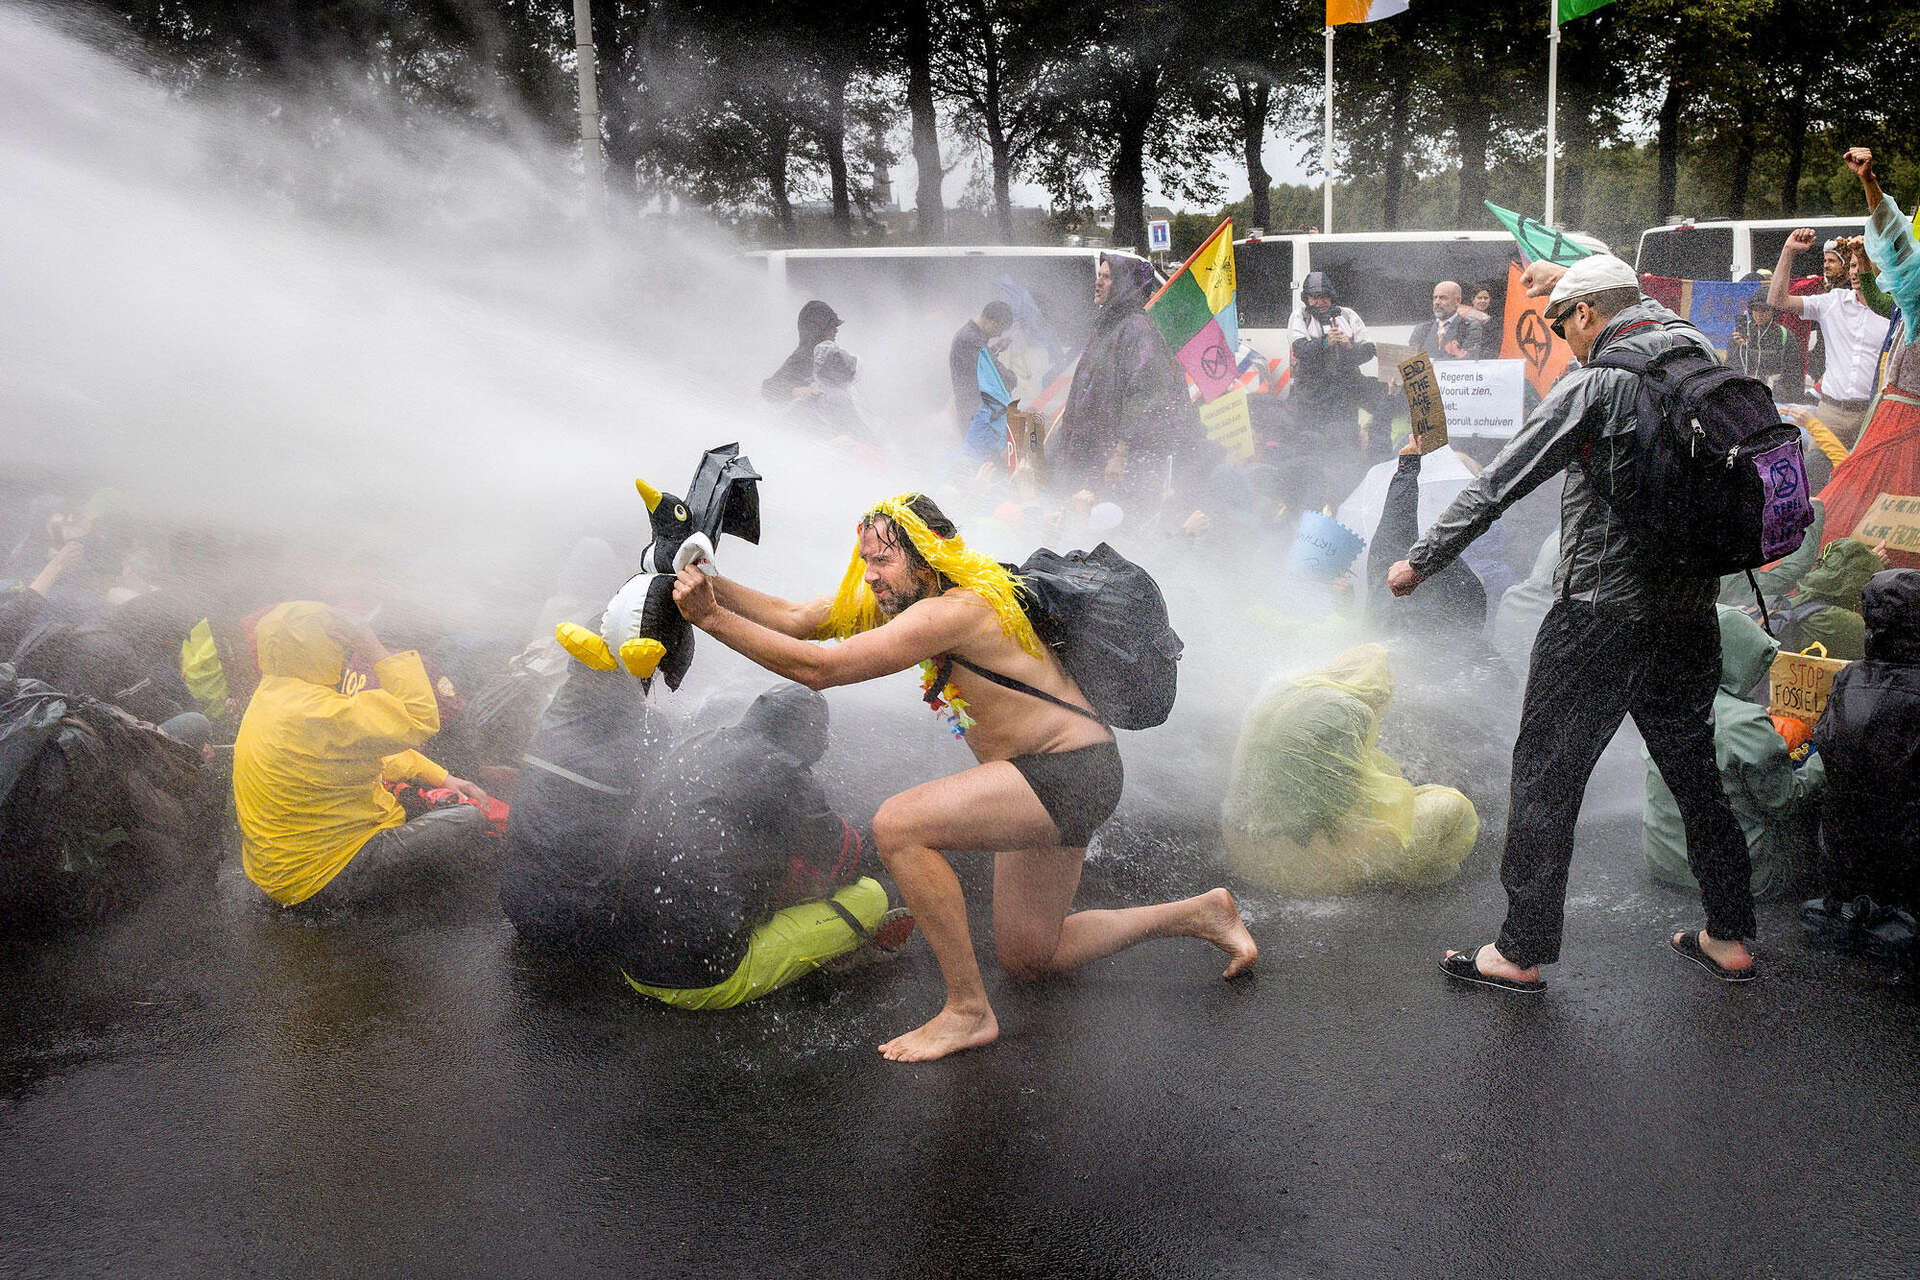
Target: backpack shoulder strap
1021, 686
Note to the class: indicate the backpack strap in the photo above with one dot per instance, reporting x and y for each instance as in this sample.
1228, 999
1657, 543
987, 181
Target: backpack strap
1018, 686
1766, 622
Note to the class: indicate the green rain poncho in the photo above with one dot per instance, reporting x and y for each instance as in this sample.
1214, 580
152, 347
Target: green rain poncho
1315, 808
1769, 796
1825, 607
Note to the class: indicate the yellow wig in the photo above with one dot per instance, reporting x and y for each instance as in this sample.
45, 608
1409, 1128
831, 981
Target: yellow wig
855, 610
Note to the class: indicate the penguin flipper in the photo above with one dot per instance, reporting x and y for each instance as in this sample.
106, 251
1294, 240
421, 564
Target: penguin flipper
586, 646
641, 655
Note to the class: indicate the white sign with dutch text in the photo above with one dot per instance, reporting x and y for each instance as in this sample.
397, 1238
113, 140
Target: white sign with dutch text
1483, 397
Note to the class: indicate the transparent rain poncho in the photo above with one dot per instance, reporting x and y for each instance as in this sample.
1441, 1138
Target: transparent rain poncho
1315, 808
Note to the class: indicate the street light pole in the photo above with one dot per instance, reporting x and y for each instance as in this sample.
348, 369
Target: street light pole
590, 162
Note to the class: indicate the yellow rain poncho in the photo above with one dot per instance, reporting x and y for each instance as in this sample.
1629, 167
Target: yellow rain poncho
1315, 808
309, 761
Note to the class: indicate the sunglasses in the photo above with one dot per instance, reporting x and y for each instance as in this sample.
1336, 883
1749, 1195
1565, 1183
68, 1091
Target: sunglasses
1559, 323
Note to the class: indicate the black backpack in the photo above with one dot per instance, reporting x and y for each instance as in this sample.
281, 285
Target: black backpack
1720, 484
1105, 617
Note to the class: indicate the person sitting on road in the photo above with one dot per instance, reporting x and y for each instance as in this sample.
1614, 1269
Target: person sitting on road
316, 822
740, 877
1773, 799
574, 811
1314, 808
1869, 749
1824, 606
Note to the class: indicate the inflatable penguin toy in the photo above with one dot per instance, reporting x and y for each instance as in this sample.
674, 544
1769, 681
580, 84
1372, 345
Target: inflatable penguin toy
642, 631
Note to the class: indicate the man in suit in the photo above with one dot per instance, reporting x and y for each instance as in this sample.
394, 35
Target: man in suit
1449, 335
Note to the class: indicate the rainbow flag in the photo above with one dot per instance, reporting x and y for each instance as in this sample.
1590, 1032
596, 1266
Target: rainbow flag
1344, 11
1195, 313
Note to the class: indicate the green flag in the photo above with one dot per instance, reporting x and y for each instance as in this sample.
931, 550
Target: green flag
1571, 9
1537, 240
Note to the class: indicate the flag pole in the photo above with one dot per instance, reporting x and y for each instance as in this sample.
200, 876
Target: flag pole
1326, 146
1553, 95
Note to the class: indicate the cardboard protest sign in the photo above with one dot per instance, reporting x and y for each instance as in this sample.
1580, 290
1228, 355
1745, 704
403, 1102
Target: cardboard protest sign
1798, 685
1425, 411
1525, 336
1026, 441
1485, 398
1229, 424
1892, 519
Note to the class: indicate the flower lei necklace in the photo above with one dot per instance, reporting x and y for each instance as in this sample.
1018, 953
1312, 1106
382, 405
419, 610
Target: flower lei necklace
938, 692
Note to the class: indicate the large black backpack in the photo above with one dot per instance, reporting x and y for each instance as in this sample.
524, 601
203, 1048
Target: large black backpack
1720, 484
1106, 619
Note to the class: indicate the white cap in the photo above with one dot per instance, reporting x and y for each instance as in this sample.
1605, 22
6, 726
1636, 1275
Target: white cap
1590, 275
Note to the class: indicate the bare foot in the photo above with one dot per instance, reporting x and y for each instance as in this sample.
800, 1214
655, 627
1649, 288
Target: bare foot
1489, 961
1728, 955
1220, 924
950, 1031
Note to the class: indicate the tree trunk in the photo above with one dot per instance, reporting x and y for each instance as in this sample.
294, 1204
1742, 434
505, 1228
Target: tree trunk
1745, 143
1793, 127
779, 147
1002, 160
1254, 97
929, 210
1128, 178
833, 138
1473, 124
614, 29
1666, 192
1394, 175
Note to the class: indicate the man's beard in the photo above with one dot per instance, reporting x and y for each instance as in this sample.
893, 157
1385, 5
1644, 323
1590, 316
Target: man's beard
894, 605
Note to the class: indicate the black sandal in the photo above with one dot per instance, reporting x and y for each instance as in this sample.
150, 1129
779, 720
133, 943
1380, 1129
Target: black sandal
1464, 966
1688, 948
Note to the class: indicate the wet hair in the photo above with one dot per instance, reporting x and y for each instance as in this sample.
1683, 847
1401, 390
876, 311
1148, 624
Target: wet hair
889, 533
998, 312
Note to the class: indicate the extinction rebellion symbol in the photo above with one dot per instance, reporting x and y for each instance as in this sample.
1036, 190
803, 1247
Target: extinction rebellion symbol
1530, 333
1217, 362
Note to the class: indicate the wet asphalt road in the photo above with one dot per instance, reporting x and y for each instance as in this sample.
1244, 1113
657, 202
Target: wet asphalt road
199, 1092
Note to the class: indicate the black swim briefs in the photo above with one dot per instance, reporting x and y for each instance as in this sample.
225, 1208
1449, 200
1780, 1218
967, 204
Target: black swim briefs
1079, 789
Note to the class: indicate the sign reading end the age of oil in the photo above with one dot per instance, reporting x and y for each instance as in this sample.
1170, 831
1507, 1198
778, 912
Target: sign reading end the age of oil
1425, 410
1798, 685
1891, 519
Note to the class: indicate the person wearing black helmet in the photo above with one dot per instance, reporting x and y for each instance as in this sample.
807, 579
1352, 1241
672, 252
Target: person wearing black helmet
1330, 344
793, 380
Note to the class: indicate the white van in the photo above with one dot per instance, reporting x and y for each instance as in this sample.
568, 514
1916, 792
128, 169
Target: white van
902, 305
941, 286
1724, 249
1385, 276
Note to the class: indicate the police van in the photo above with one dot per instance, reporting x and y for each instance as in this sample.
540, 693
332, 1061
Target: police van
1728, 249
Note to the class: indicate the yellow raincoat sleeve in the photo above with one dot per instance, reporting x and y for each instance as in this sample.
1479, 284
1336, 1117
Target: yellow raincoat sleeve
411, 766
400, 714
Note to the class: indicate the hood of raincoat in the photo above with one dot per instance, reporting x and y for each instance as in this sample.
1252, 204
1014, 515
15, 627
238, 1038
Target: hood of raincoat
293, 641
792, 719
1132, 286
1361, 671
1746, 651
1841, 571
1891, 605
816, 321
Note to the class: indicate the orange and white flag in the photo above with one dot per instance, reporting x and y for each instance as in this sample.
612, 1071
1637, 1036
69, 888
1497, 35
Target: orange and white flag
1344, 11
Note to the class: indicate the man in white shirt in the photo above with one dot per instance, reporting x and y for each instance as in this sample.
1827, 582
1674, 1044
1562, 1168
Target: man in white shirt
1852, 333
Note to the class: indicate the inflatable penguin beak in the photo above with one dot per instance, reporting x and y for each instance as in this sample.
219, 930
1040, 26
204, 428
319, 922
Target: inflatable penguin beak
648, 494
